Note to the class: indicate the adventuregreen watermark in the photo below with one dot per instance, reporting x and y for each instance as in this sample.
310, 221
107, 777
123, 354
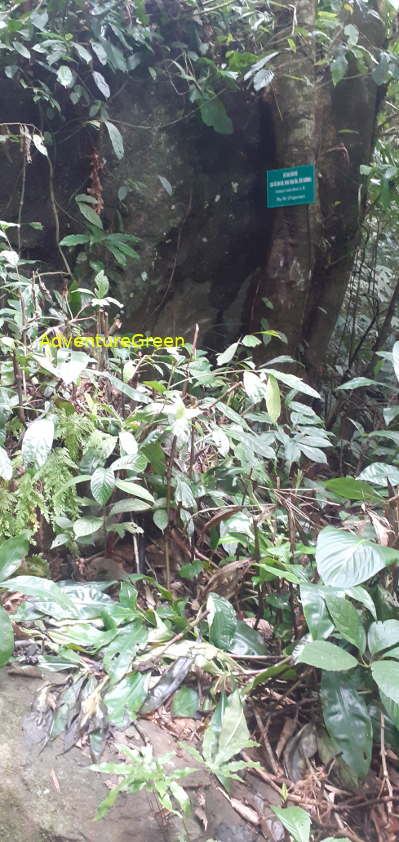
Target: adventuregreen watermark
138, 340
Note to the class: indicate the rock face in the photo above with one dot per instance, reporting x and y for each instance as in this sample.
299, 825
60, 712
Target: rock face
47, 796
201, 239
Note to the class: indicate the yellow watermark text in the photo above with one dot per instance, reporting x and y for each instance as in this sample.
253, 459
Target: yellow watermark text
138, 340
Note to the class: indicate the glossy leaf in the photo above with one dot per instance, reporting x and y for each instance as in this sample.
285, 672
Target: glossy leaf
42, 590
254, 387
357, 383
214, 114
12, 553
37, 442
295, 820
273, 399
347, 620
131, 505
116, 139
343, 706
90, 214
386, 676
85, 526
6, 637
293, 382
247, 641
185, 702
102, 484
102, 85
227, 355
382, 635
134, 489
351, 489
395, 359
344, 560
222, 621
379, 473
5, 465
65, 76
326, 656
233, 735
126, 698
315, 611
128, 443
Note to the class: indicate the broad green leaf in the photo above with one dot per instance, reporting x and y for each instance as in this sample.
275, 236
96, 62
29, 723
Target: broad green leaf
392, 709
5, 465
131, 505
12, 553
43, 590
357, 383
85, 526
338, 68
21, 49
347, 620
185, 702
379, 473
166, 184
343, 706
37, 442
102, 484
75, 240
128, 443
295, 820
133, 488
65, 76
214, 114
6, 637
293, 382
395, 357
247, 641
361, 595
234, 734
72, 366
390, 413
326, 656
352, 489
315, 611
222, 621
382, 635
180, 796
116, 139
344, 560
221, 441
227, 355
126, 698
102, 85
250, 341
90, 214
273, 398
254, 386
160, 518
386, 676
83, 53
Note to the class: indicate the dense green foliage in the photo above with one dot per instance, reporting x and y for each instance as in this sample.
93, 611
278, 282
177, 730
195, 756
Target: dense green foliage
263, 508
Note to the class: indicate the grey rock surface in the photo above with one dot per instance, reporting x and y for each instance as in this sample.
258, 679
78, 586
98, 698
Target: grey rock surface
48, 796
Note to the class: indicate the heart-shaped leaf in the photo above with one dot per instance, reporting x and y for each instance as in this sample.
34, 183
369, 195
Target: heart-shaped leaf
344, 560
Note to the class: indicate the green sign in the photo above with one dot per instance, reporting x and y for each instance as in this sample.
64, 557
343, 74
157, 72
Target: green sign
291, 186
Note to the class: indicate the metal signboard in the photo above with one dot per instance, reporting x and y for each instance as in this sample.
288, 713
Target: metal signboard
291, 186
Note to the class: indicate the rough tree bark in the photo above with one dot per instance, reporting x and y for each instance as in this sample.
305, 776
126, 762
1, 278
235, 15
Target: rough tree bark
308, 264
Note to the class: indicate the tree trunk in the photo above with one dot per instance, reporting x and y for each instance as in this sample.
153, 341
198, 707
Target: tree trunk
309, 263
